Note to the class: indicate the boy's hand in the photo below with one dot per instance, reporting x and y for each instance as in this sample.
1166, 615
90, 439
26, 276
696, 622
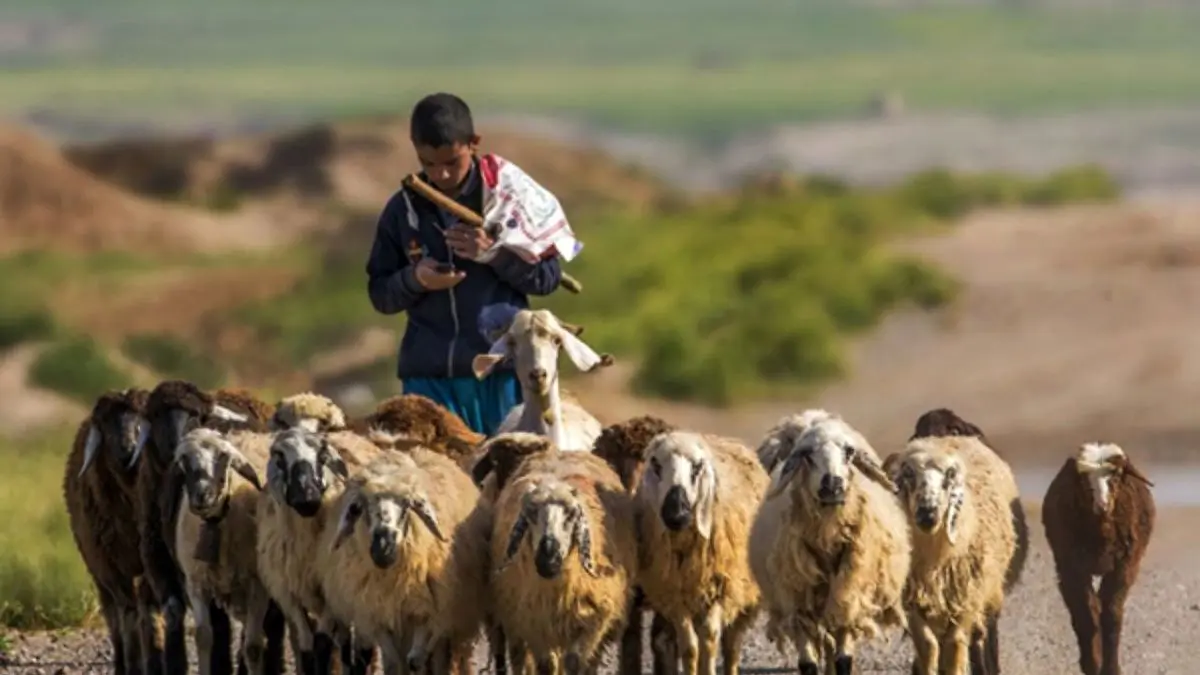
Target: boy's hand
428, 276
468, 242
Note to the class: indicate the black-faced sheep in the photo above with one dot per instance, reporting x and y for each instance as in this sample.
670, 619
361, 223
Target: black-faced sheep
957, 494
830, 549
624, 446
305, 475
99, 487
696, 504
567, 593
206, 463
942, 422
533, 339
172, 409
404, 560
1099, 515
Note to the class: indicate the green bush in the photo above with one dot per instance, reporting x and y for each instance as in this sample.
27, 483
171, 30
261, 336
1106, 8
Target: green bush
18, 325
77, 368
43, 582
172, 358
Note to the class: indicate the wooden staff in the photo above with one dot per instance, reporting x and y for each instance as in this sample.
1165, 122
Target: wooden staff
468, 216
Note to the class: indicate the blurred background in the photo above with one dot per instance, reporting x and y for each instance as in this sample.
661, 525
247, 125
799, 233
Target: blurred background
878, 207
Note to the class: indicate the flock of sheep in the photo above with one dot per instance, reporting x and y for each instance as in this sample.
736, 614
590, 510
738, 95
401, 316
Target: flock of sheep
406, 533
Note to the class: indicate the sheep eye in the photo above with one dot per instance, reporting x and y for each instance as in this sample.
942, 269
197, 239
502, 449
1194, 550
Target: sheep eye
556, 340
697, 468
951, 474
355, 509
849, 450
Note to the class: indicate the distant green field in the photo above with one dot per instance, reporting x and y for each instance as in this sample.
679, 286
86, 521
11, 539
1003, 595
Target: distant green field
698, 66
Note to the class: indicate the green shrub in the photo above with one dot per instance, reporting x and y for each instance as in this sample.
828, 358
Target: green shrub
77, 368
18, 325
43, 582
172, 358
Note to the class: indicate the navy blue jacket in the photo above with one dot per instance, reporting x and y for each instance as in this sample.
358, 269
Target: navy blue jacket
443, 333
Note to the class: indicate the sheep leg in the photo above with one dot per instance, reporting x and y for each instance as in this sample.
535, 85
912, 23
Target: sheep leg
731, 643
1084, 607
112, 620
709, 636
629, 660
809, 653
954, 654
519, 656
497, 647
274, 627
925, 645
357, 658
174, 638
689, 646
130, 639
204, 631
843, 660
391, 655
1113, 591
664, 647
222, 647
254, 633
418, 655
301, 631
150, 623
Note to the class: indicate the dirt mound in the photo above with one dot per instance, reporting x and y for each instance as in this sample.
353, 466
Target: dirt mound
358, 163
47, 202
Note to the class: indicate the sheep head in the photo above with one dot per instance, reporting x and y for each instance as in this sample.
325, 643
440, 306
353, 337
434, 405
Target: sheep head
312, 411
1100, 463
301, 469
202, 463
533, 339
932, 487
503, 453
388, 499
827, 454
117, 425
782, 437
552, 515
174, 408
680, 481
944, 422
625, 446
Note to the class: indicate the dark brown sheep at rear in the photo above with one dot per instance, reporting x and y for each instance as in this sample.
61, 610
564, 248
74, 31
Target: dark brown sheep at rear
942, 422
99, 489
623, 446
173, 408
1099, 514
421, 419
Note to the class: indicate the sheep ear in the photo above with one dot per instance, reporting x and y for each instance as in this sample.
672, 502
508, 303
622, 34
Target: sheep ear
242, 466
954, 502
783, 474
333, 461
426, 513
571, 328
350, 515
483, 364
581, 539
142, 439
706, 499
90, 446
1133, 472
276, 477
768, 451
583, 356
520, 527
482, 468
873, 471
222, 413
174, 490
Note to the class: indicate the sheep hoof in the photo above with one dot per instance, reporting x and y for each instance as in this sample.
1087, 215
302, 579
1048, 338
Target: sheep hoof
809, 668
843, 664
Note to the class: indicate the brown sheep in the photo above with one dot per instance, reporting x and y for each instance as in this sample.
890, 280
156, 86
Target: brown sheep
1099, 514
943, 422
421, 419
623, 446
98, 488
173, 408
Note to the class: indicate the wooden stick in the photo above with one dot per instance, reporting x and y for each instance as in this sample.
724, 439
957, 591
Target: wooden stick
467, 216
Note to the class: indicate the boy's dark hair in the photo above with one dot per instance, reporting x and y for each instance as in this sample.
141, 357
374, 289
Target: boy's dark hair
441, 119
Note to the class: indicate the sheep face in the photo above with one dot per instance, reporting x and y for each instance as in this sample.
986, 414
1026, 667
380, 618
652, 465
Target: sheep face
202, 461
827, 454
174, 408
553, 517
1099, 463
313, 412
533, 340
680, 481
932, 487
388, 512
117, 426
301, 468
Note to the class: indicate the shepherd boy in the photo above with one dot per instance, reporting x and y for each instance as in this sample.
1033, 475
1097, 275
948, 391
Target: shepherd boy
445, 274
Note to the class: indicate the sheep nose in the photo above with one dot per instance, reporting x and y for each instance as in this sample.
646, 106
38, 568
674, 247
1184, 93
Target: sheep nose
383, 549
676, 511
303, 491
538, 375
926, 517
549, 558
833, 489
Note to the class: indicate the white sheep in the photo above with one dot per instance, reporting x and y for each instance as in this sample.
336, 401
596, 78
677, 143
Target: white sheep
533, 339
202, 464
958, 495
404, 560
567, 593
695, 505
830, 549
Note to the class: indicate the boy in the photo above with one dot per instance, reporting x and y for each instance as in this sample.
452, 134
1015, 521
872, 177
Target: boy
424, 262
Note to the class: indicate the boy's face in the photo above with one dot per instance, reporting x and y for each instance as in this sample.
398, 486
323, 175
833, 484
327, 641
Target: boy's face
447, 166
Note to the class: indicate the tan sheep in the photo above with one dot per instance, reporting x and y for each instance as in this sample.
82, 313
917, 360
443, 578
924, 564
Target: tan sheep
830, 549
957, 494
780, 439
203, 461
695, 506
305, 475
533, 339
403, 560
557, 605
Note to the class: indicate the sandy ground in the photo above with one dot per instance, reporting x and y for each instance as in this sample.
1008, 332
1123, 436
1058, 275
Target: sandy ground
1036, 637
